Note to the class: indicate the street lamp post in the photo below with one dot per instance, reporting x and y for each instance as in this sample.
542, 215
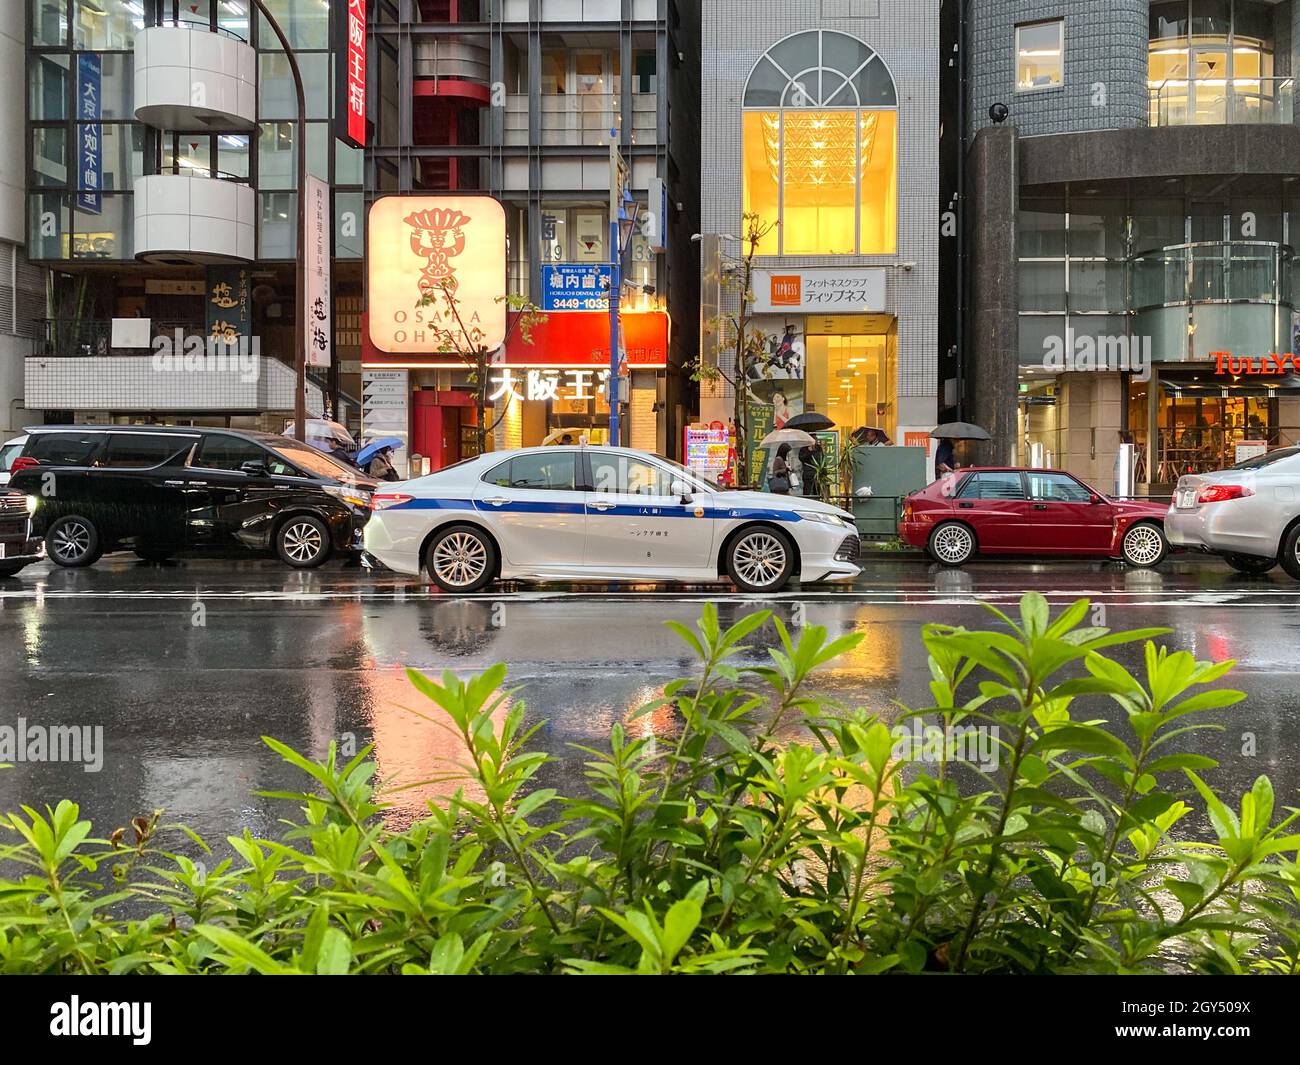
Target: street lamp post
300, 271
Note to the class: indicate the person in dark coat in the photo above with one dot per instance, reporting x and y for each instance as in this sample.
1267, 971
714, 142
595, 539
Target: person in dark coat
945, 458
810, 459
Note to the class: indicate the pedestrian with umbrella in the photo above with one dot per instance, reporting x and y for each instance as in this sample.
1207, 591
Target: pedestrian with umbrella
376, 458
780, 480
945, 458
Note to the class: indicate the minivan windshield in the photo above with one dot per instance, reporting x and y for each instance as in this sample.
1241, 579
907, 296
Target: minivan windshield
306, 457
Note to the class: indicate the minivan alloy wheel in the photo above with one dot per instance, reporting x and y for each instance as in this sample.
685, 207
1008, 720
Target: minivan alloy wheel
460, 559
71, 541
302, 541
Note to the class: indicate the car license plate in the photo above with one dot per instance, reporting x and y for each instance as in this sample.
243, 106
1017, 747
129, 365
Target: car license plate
1187, 499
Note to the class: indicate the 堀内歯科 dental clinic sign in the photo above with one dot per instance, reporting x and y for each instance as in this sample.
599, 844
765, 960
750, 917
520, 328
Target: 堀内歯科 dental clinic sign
436, 273
820, 291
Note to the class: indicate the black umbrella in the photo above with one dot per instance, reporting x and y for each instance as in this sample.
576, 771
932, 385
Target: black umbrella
810, 422
960, 431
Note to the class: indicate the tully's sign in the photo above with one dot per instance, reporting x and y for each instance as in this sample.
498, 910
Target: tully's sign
1277, 362
436, 273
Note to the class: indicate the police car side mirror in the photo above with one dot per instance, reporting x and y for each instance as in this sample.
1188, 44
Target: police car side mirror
682, 491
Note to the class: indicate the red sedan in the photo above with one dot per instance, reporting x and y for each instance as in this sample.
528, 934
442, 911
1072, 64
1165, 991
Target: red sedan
1009, 511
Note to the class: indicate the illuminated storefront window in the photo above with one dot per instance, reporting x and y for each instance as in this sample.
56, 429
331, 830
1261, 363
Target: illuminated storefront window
821, 146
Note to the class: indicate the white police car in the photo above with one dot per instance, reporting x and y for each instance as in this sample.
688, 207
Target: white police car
603, 513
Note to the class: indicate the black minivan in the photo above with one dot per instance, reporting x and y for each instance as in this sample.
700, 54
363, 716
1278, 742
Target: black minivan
164, 490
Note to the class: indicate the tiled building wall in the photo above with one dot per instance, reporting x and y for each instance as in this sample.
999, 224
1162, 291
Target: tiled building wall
735, 33
134, 383
1105, 79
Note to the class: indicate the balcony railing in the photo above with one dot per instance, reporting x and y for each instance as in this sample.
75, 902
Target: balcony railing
1212, 272
580, 118
1216, 102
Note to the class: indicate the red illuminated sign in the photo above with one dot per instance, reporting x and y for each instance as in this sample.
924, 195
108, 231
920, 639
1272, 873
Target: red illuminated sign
568, 339
350, 52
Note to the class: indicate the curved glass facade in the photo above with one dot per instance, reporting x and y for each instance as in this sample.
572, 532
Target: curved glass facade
1194, 274
1211, 62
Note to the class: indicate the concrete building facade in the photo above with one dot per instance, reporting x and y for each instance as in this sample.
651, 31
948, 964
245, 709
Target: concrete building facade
1131, 225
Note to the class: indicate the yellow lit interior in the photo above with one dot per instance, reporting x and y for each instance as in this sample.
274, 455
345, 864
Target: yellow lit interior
848, 377
819, 159
1191, 84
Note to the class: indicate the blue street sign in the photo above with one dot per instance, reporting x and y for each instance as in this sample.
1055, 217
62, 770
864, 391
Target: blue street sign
575, 287
90, 134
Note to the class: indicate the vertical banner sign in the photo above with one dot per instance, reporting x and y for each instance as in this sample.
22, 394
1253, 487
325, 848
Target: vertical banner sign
90, 164
350, 77
761, 422
384, 411
226, 299
316, 261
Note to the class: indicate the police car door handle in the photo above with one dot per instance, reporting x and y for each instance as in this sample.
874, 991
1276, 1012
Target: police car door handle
497, 501
601, 504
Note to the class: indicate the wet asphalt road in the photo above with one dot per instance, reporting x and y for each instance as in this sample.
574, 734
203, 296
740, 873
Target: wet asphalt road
186, 665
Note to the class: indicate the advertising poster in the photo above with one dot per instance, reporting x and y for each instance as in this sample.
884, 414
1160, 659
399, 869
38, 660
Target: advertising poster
783, 356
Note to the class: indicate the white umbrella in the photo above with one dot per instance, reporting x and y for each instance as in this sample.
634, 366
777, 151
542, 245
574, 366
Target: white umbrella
794, 437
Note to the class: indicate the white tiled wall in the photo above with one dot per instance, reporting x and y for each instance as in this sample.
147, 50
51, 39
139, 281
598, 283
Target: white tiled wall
132, 383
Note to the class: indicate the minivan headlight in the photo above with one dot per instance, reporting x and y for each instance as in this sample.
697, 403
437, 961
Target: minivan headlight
357, 497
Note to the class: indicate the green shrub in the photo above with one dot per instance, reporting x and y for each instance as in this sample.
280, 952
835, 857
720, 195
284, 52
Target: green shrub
769, 832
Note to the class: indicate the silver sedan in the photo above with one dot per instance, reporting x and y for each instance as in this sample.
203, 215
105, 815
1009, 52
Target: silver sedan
1249, 514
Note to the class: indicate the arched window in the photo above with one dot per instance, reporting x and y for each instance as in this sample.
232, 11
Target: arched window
821, 146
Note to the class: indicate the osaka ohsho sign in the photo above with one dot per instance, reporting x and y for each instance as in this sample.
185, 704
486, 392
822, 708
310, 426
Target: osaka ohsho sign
448, 252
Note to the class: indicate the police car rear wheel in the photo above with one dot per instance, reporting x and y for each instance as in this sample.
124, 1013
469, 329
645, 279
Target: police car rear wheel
461, 559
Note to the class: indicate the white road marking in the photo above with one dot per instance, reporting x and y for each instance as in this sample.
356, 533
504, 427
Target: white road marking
868, 597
